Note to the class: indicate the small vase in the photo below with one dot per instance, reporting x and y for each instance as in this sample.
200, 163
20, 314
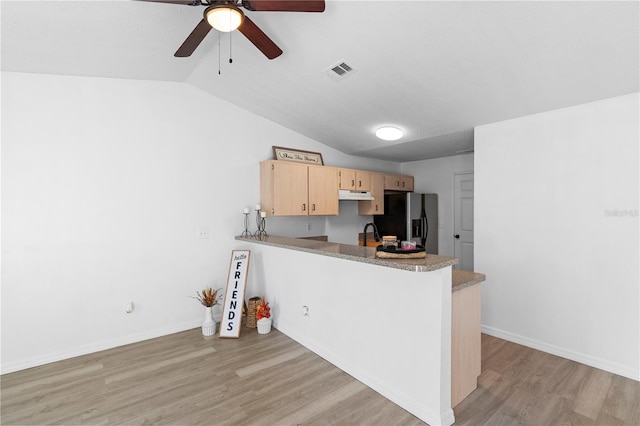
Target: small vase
209, 325
264, 325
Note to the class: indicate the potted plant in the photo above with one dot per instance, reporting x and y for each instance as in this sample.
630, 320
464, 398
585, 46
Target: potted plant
208, 298
263, 317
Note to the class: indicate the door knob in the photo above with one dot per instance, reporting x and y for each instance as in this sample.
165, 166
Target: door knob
457, 236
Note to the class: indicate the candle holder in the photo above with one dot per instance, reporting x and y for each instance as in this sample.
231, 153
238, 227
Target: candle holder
257, 233
246, 232
261, 223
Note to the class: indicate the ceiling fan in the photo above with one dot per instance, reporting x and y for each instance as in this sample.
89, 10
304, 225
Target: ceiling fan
226, 16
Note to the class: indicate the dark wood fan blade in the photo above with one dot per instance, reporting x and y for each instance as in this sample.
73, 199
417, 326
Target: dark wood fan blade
284, 5
193, 41
187, 2
259, 38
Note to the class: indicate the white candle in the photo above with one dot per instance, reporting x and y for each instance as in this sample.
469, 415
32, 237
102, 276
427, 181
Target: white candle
246, 210
263, 214
258, 207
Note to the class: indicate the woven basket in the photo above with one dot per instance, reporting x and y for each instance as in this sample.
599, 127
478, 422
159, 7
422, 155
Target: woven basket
251, 312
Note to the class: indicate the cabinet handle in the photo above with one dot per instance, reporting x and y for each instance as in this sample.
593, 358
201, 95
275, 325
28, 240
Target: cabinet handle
313, 207
376, 207
353, 182
359, 184
304, 207
403, 184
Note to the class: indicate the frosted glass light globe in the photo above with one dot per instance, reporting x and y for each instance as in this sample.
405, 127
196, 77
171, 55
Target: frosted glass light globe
389, 133
224, 18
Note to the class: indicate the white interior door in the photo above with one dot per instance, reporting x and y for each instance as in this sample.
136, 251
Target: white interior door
463, 221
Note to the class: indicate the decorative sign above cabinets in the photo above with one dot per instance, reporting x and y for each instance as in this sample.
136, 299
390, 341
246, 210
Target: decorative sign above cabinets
290, 154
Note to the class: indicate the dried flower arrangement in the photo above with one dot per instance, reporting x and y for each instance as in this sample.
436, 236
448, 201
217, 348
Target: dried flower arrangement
263, 310
207, 297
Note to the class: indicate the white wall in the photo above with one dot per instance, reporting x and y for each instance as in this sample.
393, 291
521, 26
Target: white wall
436, 176
556, 232
105, 183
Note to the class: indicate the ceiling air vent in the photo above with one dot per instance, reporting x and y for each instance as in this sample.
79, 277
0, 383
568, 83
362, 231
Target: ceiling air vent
340, 70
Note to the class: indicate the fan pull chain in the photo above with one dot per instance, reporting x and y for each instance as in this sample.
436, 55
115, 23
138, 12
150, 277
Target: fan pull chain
230, 44
219, 35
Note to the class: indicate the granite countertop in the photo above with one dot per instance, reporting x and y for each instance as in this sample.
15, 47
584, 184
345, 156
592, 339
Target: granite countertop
355, 253
463, 279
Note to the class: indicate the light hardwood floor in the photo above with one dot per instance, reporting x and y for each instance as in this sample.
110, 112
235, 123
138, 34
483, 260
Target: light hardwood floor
187, 379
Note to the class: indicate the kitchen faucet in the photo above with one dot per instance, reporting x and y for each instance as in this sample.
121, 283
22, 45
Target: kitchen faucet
375, 233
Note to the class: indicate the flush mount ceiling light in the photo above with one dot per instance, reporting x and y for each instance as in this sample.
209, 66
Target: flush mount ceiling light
224, 17
389, 133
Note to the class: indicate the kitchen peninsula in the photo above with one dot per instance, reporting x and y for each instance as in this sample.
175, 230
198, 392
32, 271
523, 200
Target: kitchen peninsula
386, 322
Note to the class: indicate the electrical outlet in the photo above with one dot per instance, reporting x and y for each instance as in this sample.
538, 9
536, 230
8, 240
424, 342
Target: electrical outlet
203, 233
308, 226
129, 308
305, 311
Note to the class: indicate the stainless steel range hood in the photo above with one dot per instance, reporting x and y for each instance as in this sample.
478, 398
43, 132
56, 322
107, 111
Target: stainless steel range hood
354, 195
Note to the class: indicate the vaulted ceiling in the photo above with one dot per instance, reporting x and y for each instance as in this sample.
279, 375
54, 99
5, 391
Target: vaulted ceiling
435, 69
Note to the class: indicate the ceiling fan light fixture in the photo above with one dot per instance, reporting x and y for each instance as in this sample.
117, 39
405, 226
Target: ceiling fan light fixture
389, 133
224, 17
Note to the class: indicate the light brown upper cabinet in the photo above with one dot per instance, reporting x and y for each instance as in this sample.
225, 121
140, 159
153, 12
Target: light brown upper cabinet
323, 191
406, 183
354, 180
295, 189
392, 182
398, 182
347, 179
375, 206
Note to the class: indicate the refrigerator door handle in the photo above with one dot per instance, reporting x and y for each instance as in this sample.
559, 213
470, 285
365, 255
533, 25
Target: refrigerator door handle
425, 228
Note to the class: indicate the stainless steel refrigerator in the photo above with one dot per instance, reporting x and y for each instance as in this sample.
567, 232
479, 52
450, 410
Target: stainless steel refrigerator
410, 216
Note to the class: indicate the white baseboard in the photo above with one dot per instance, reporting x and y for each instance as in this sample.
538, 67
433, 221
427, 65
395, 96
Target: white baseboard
589, 360
96, 347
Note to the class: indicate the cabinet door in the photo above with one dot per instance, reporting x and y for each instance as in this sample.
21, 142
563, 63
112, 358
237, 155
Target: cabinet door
290, 189
392, 182
375, 206
362, 181
465, 342
347, 179
398, 183
406, 183
323, 190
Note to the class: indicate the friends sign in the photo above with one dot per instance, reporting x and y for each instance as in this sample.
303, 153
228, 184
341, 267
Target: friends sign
234, 297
